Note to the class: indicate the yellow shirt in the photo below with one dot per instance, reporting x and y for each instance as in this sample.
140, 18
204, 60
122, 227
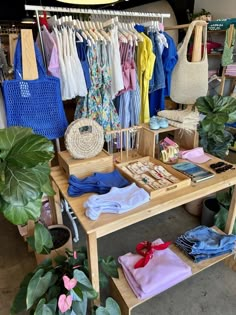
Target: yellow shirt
145, 62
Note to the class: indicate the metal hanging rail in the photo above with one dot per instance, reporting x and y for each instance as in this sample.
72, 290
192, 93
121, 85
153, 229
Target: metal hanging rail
98, 12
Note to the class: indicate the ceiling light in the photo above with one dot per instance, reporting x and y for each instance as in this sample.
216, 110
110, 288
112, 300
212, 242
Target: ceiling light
28, 19
88, 2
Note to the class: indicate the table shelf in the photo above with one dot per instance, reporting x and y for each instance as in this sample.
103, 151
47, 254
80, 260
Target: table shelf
121, 291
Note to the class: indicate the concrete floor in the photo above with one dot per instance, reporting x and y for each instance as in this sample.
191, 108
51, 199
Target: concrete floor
212, 292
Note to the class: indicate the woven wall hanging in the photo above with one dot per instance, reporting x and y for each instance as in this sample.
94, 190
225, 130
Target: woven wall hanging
84, 138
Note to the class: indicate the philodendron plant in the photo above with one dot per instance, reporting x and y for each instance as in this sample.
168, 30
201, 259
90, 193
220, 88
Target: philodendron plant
218, 111
24, 178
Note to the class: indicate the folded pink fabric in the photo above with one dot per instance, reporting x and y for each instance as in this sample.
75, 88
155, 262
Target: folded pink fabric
195, 155
163, 271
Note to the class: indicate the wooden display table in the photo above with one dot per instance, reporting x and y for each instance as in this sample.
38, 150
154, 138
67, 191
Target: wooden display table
108, 223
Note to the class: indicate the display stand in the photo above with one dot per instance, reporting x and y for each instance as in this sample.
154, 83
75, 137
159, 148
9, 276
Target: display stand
108, 223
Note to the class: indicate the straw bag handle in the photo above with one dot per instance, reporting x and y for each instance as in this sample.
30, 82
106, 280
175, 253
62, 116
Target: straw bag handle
18, 61
183, 49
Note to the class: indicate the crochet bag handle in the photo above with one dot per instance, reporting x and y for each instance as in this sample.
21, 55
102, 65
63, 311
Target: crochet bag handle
18, 61
183, 49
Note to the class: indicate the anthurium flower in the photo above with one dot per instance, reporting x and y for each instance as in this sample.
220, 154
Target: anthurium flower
69, 283
64, 302
75, 254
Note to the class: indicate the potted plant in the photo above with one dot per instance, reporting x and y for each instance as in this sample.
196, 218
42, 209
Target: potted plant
24, 177
62, 287
218, 111
224, 199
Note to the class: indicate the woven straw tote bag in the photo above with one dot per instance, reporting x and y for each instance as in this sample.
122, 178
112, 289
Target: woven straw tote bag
190, 79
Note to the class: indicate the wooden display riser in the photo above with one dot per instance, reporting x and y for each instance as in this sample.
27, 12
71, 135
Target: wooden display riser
149, 139
124, 296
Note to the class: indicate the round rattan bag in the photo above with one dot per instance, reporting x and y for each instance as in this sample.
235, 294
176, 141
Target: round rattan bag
84, 138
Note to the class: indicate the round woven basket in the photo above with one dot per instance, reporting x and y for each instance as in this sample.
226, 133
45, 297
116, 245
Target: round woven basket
84, 138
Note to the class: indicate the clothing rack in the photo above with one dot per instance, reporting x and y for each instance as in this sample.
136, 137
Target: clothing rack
98, 12
86, 12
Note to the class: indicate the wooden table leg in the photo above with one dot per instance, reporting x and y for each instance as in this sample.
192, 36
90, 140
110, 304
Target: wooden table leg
93, 263
55, 205
231, 262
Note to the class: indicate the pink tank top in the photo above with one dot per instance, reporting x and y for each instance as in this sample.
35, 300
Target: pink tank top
128, 67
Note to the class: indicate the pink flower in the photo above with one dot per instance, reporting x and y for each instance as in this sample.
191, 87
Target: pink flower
64, 302
69, 283
75, 255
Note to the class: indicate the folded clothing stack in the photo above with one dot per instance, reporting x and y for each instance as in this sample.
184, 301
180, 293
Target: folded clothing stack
100, 183
164, 270
203, 243
118, 200
184, 119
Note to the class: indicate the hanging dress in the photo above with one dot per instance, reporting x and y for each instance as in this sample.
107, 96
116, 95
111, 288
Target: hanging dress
98, 104
109, 118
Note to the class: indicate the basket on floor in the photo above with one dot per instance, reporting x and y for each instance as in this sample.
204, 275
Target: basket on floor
84, 138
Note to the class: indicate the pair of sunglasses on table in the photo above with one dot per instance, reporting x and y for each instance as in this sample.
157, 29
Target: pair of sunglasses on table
220, 167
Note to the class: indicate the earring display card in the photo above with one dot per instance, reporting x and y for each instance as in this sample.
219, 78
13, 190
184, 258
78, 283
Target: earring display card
154, 176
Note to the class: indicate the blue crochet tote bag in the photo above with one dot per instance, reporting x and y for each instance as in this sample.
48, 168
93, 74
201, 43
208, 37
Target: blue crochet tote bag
36, 104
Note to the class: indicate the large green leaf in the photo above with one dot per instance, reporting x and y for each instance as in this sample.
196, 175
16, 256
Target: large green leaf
3, 165
30, 151
84, 284
19, 303
80, 307
109, 266
102, 311
10, 136
112, 307
205, 104
42, 238
37, 287
52, 304
21, 187
229, 107
43, 309
22, 214
47, 188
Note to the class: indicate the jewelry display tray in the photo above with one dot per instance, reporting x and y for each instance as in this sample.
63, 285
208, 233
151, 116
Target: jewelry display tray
182, 180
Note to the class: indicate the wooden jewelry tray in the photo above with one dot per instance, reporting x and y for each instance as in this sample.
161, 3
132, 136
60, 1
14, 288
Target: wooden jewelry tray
145, 172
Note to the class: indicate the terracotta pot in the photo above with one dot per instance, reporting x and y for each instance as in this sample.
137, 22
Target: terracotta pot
58, 231
195, 207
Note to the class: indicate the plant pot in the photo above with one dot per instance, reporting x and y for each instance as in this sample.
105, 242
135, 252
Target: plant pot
62, 239
210, 208
195, 207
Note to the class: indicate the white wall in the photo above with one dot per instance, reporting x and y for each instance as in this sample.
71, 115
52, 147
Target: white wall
218, 8
160, 7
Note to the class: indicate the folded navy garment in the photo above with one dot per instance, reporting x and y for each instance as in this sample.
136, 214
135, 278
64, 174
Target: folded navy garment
203, 242
100, 183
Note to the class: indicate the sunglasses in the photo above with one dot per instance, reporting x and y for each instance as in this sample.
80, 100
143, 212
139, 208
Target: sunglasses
221, 167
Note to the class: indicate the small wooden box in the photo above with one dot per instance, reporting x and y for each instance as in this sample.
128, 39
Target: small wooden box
184, 180
103, 162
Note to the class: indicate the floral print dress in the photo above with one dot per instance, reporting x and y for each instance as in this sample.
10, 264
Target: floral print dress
98, 104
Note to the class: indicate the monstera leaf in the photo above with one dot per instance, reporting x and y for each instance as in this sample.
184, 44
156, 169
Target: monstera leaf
24, 173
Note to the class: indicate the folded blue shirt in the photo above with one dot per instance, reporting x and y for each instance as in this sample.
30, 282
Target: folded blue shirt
100, 183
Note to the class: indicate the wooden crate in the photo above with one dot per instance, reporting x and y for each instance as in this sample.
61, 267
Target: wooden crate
103, 162
184, 180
